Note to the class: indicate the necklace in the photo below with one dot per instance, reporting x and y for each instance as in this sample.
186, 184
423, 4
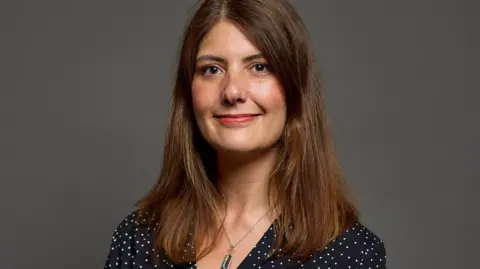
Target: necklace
227, 260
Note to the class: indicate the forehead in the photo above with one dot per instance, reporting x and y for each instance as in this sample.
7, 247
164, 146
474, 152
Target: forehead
226, 39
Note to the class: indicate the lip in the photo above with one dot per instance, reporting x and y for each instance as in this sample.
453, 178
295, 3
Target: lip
235, 119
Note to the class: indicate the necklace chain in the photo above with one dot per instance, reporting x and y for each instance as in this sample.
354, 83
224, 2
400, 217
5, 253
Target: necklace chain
233, 246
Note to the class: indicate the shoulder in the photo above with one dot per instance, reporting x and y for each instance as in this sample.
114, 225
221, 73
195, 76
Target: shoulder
131, 223
132, 231
131, 243
358, 247
359, 240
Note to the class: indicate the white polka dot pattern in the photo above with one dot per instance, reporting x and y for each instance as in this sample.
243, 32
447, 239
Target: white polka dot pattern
356, 248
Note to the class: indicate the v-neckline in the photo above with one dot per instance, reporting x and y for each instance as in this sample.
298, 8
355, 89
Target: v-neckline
268, 235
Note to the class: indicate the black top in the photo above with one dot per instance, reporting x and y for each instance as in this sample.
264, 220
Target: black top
356, 248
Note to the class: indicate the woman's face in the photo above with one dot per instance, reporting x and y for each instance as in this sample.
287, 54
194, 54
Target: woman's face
238, 103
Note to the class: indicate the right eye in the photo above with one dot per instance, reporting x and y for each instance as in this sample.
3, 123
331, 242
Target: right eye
210, 70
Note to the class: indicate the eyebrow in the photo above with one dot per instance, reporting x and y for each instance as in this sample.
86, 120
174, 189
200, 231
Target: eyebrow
222, 60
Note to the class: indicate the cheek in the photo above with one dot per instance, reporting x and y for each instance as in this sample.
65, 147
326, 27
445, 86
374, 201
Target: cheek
202, 99
272, 98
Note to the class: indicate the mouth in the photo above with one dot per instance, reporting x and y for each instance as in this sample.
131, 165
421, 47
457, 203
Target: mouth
232, 119
235, 116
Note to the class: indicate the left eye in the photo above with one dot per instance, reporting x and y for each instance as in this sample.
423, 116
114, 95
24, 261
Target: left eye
260, 67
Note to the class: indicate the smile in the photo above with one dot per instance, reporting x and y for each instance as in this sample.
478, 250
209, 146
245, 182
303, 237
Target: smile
235, 119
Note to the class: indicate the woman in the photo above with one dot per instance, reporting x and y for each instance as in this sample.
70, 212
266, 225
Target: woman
249, 178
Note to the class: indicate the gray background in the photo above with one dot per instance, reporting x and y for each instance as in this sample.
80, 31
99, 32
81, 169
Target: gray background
83, 109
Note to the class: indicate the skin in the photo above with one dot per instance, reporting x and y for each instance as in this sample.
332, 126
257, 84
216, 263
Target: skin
232, 78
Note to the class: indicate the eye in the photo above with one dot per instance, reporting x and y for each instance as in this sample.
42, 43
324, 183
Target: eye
260, 67
210, 70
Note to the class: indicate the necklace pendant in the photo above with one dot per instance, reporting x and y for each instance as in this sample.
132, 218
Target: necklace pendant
227, 261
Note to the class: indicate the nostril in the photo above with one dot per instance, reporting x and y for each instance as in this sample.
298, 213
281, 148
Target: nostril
233, 99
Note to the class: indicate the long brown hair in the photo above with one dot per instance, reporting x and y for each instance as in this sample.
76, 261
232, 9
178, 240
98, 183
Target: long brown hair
306, 186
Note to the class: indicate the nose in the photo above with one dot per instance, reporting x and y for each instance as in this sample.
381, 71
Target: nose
235, 89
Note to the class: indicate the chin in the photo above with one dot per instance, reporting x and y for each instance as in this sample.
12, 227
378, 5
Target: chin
237, 144
225, 146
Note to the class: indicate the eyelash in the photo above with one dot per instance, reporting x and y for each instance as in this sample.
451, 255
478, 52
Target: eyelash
205, 69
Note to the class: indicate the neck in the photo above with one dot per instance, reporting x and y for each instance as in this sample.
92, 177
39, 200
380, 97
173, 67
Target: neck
243, 181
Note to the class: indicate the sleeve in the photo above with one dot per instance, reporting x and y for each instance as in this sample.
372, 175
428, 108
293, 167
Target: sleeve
376, 258
360, 248
122, 245
113, 259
